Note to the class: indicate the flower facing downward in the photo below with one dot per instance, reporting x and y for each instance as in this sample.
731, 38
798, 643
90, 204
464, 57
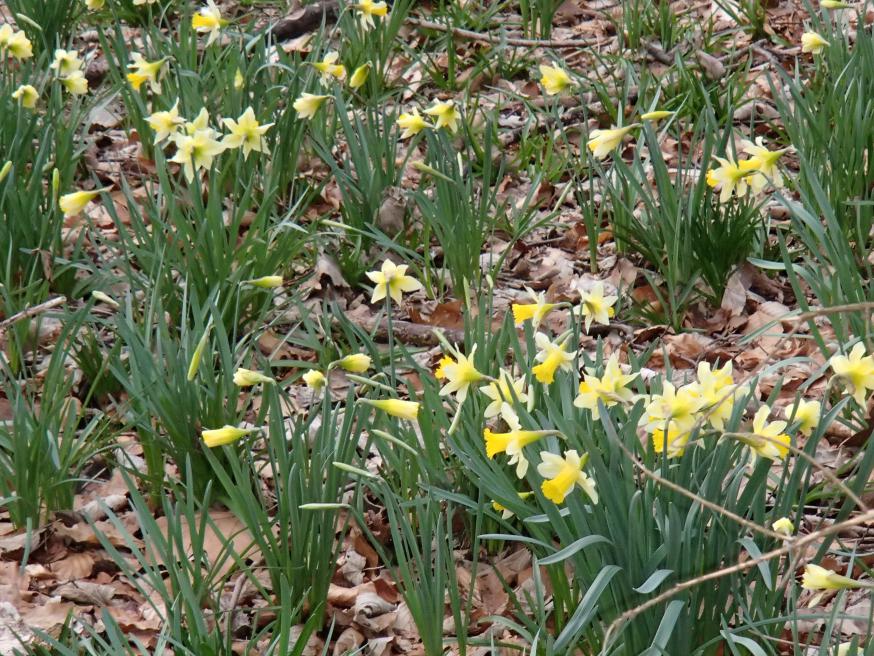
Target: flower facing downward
767, 439
445, 114
246, 133
551, 357
208, 21
76, 83
308, 104
314, 379
412, 123
395, 407
66, 62
563, 475
367, 9
16, 43
355, 363
329, 69
145, 71
857, 370
502, 393
249, 378
554, 79
73, 203
26, 95
360, 75
460, 374
512, 442
730, 177
806, 413
594, 306
813, 42
820, 578
603, 142
166, 123
535, 311
392, 281
610, 389
785, 526
225, 435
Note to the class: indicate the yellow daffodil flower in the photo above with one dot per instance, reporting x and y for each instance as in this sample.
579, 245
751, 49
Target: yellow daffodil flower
367, 9
395, 407
412, 123
95, 5
554, 79
834, 4
717, 393
308, 104
535, 311
806, 413
563, 474
764, 162
166, 123
145, 71
813, 42
820, 578
329, 69
225, 435
604, 142
506, 513
208, 20
857, 370
26, 95
785, 526
730, 177
198, 147
66, 62
503, 392
595, 306
677, 405
767, 439
246, 133
656, 115
355, 363
611, 388
551, 357
73, 203
445, 114
675, 444
512, 442
75, 83
16, 43
359, 77
248, 378
314, 379
460, 374
392, 281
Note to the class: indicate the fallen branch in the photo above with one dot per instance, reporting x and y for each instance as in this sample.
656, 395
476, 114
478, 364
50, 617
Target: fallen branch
33, 311
305, 20
558, 44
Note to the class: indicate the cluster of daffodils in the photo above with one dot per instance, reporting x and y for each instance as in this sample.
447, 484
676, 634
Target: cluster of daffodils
308, 104
752, 174
445, 115
14, 43
197, 144
70, 71
143, 71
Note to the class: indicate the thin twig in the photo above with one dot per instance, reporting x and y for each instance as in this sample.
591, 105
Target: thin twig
33, 311
509, 40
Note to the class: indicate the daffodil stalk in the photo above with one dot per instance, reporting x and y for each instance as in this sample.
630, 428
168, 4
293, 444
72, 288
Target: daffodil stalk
394, 440
370, 382
355, 470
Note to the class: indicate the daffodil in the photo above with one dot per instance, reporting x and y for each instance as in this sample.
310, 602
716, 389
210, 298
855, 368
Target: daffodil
767, 439
806, 413
73, 203
145, 71
764, 162
246, 133
166, 123
308, 104
392, 281
554, 79
460, 374
208, 20
535, 312
314, 379
412, 123
656, 115
76, 83
563, 474
66, 62
95, 5
356, 363
248, 378
677, 405
595, 306
813, 42
225, 435
445, 115
329, 69
611, 388
505, 512
367, 9
16, 43
503, 392
857, 370
26, 95
360, 75
197, 148
834, 4
717, 392
512, 442
102, 297
672, 440
197, 356
266, 282
395, 407
551, 357
604, 142
785, 526
820, 578
730, 177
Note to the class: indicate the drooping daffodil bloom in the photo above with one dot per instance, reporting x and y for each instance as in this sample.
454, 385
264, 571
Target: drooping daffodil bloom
604, 142
308, 104
813, 42
73, 203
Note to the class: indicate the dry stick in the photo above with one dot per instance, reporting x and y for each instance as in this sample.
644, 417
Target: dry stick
795, 545
509, 40
33, 311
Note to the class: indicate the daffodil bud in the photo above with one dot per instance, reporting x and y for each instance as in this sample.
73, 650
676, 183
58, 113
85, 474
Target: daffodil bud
785, 526
56, 182
194, 365
7, 167
356, 363
248, 378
